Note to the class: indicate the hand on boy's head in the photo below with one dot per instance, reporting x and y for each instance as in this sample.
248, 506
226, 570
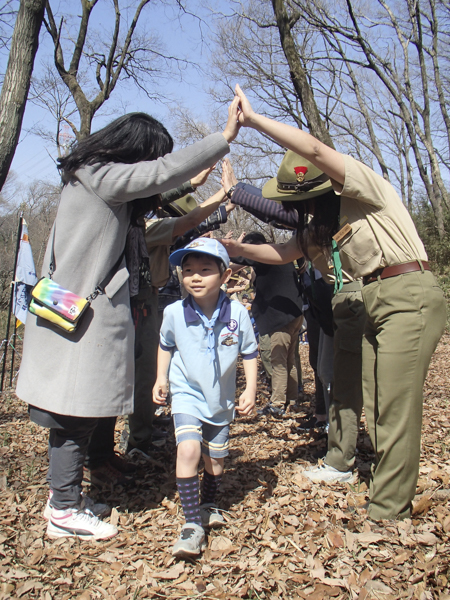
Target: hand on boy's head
246, 403
231, 246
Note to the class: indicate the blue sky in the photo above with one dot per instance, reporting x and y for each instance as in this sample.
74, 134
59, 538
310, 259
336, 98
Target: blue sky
186, 37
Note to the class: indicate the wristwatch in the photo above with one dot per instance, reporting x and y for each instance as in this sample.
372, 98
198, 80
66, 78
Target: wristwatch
230, 191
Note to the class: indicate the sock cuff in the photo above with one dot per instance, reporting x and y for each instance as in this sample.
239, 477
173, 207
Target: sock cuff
187, 480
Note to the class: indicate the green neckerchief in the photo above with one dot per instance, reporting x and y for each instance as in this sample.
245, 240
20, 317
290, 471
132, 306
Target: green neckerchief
337, 267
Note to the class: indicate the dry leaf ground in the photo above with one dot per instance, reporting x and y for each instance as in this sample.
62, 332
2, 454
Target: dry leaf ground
285, 538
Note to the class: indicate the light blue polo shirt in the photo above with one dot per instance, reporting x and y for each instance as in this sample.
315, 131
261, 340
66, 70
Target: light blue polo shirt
198, 387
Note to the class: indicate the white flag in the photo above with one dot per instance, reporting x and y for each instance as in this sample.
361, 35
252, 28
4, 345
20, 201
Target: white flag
25, 276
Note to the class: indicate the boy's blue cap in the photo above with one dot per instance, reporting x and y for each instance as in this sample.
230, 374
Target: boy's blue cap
202, 246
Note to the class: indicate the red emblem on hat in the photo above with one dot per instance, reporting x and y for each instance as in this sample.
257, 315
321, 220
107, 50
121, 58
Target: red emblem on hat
300, 173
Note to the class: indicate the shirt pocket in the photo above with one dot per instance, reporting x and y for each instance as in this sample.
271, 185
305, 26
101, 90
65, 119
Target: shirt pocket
359, 250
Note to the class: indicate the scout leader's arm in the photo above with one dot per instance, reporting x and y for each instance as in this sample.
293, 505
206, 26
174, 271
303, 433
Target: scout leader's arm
271, 254
322, 156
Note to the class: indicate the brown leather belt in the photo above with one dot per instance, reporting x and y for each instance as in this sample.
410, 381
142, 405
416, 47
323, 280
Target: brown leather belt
395, 270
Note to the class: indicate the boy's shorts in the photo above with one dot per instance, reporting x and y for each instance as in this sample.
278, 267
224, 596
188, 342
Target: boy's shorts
213, 438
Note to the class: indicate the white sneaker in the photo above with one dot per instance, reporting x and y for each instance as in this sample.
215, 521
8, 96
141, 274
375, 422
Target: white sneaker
74, 522
328, 474
97, 508
191, 541
211, 515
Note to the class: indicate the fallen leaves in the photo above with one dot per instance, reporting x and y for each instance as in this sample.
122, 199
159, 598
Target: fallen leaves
284, 538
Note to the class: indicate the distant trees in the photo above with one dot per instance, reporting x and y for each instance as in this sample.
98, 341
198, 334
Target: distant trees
38, 203
370, 78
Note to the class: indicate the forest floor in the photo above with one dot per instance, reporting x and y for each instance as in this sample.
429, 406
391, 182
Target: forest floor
284, 537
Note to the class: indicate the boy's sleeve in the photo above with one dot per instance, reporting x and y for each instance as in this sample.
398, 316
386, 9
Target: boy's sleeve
167, 332
248, 346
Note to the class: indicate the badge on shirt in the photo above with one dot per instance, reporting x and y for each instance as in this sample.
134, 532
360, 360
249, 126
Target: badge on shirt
342, 232
228, 341
232, 325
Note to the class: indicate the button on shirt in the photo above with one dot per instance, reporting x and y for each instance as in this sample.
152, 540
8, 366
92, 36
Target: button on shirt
198, 387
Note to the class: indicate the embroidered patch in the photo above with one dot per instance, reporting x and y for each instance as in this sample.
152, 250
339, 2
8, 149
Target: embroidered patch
229, 341
232, 325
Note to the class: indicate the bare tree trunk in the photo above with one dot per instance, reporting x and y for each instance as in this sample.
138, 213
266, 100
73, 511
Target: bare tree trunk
300, 81
111, 66
16, 84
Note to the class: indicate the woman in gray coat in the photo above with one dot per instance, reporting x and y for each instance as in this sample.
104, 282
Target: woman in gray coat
71, 379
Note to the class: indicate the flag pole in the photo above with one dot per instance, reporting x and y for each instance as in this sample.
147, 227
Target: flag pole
19, 235
13, 350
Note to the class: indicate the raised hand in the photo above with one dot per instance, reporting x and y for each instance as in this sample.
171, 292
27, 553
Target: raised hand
201, 178
228, 177
246, 112
231, 246
232, 127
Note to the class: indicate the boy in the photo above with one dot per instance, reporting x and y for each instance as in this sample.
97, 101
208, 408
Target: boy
201, 337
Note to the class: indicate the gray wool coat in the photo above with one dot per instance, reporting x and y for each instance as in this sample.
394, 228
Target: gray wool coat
90, 373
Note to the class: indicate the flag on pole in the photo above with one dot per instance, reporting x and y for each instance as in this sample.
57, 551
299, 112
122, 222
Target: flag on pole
25, 276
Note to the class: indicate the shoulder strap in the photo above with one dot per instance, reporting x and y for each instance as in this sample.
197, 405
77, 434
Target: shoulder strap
99, 288
51, 268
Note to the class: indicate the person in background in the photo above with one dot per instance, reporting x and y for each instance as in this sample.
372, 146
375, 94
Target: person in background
278, 314
201, 338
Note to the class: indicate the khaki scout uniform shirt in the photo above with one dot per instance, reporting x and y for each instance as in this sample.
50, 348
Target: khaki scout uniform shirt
382, 232
159, 238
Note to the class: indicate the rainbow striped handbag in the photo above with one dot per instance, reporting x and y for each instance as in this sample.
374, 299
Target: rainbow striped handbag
53, 303
61, 307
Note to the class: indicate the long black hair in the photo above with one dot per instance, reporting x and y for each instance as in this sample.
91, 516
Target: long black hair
319, 230
129, 139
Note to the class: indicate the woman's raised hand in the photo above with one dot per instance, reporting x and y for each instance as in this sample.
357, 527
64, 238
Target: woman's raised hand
232, 127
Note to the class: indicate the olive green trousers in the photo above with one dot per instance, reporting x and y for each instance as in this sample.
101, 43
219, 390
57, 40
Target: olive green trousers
349, 318
406, 316
283, 345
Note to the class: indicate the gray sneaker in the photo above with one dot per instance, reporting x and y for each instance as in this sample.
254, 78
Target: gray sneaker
328, 474
191, 541
211, 516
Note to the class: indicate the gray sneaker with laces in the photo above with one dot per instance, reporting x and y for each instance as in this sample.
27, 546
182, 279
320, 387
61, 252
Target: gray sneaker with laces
211, 515
191, 541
